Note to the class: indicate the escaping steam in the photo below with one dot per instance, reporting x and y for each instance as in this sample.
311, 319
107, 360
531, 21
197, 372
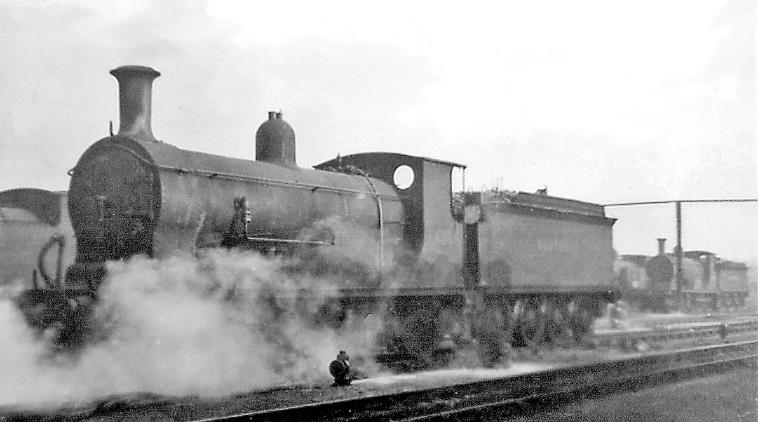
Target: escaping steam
222, 322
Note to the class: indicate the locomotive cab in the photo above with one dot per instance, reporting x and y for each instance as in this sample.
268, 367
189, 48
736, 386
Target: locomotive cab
432, 231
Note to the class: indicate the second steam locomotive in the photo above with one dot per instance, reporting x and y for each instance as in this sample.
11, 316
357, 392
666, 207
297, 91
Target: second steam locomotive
502, 265
708, 283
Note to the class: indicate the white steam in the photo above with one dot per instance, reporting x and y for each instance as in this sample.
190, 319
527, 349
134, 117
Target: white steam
221, 323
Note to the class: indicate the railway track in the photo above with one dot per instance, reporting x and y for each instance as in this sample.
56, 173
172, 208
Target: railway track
665, 320
692, 329
498, 398
527, 390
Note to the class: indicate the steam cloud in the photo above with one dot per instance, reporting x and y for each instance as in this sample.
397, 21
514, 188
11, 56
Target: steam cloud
223, 322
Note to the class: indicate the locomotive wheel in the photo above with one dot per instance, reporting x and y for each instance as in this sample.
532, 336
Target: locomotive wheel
531, 323
450, 324
450, 328
581, 322
699, 308
730, 305
714, 304
670, 303
419, 331
688, 303
493, 335
510, 319
739, 302
558, 325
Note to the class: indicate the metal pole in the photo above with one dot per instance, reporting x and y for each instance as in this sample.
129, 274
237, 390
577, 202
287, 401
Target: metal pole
678, 250
463, 180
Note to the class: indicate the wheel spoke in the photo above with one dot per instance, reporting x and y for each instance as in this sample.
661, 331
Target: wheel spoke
582, 322
531, 324
558, 322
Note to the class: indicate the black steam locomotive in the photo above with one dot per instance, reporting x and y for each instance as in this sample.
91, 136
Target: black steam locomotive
36, 238
488, 266
708, 283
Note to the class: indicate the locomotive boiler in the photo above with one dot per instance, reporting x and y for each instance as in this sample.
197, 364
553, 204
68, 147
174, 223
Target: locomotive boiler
448, 268
132, 194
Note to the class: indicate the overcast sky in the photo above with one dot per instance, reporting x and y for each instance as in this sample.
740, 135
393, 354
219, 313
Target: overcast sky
597, 100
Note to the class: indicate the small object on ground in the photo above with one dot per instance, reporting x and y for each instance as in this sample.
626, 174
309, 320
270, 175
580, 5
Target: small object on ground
723, 330
340, 370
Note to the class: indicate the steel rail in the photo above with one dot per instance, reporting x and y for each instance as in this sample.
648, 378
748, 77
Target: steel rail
538, 402
518, 394
527, 391
668, 333
695, 318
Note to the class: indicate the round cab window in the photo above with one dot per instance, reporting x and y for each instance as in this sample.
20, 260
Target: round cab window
403, 177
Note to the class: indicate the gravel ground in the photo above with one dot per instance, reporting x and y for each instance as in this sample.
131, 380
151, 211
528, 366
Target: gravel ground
725, 397
731, 396
150, 407
171, 408
187, 408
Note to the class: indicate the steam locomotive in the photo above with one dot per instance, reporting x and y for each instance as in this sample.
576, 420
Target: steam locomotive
36, 238
708, 283
482, 268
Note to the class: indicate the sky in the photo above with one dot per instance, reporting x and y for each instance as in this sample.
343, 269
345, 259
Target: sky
599, 101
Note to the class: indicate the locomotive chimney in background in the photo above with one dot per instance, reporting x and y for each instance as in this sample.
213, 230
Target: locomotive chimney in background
275, 141
135, 85
661, 246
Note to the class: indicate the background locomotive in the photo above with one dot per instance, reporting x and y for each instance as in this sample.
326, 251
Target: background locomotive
447, 268
36, 238
709, 283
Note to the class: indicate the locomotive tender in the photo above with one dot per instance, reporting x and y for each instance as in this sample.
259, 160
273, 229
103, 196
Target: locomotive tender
485, 267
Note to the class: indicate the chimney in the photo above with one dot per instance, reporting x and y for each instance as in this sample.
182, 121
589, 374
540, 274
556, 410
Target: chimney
135, 98
661, 246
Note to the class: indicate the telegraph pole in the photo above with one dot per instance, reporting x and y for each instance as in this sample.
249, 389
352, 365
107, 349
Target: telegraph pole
678, 250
